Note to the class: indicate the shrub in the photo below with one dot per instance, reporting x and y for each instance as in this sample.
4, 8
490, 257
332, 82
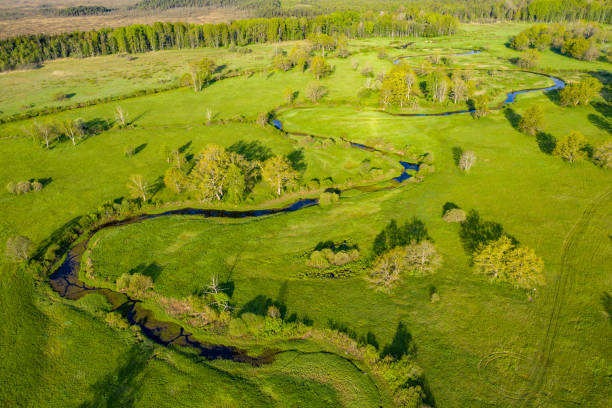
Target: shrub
114, 319
262, 118
11, 187
454, 215
128, 151
602, 156
343, 257
18, 248
327, 199
23, 187
37, 186
366, 71
134, 285
467, 160
318, 260
60, 96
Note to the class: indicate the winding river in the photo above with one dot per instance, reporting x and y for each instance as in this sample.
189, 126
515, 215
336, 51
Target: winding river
65, 280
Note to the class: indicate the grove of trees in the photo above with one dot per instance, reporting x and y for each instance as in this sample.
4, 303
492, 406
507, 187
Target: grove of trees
24, 51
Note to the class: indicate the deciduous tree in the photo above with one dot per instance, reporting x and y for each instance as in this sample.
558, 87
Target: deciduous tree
138, 187
532, 120
570, 148
278, 173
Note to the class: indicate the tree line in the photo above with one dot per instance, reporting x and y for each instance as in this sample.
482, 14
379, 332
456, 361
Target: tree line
24, 51
579, 40
77, 11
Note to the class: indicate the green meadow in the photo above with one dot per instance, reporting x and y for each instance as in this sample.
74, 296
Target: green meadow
482, 344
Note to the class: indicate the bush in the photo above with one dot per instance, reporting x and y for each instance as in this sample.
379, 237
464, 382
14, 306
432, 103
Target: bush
454, 215
60, 96
114, 319
327, 199
18, 248
263, 118
318, 260
134, 285
23, 187
602, 156
37, 186
128, 151
11, 188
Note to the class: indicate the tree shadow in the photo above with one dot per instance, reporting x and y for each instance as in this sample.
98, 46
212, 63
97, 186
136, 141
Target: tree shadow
604, 108
152, 270
513, 117
475, 232
259, 305
457, 152
554, 96
96, 126
122, 387
606, 301
368, 338
546, 142
601, 122
139, 148
135, 119
45, 181
296, 159
184, 147
157, 185
401, 345
252, 151
449, 206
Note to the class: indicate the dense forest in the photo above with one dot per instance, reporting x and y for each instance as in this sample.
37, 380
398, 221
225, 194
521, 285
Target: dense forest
26, 51
465, 10
77, 11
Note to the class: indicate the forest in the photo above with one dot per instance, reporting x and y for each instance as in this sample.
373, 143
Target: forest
29, 51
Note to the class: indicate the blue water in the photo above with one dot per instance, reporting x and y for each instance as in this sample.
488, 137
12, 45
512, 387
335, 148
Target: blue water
558, 84
277, 124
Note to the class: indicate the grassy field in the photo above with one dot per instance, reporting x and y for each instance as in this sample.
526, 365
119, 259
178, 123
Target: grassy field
481, 345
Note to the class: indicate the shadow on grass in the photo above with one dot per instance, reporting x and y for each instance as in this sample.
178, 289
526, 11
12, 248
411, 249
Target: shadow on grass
474, 232
449, 206
513, 118
122, 387
546, 142
368, 338
139, 148
296, 159
152, 270
457, 152
606, 301
251, 151
401, 345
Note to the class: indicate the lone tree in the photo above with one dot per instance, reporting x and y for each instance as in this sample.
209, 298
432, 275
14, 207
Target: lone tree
571, 147
278, 173
201, 72
121, 116
319, 67
503, 261
459, 89
532, 120
602, 156
528, 59
481, 106
467, 160
18, 248
315, 91
174, 179
138, 187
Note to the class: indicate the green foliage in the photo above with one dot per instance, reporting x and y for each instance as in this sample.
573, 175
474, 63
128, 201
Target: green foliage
454, 215
418, 259
602, 156
319, 67
571, 147
580, 93
315, 91
532, 120
503, 261
136, 284
481, 106
328, 198
278, 173
114, 319
529, 59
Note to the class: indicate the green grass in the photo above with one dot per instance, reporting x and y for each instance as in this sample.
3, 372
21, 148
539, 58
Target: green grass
61, 353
